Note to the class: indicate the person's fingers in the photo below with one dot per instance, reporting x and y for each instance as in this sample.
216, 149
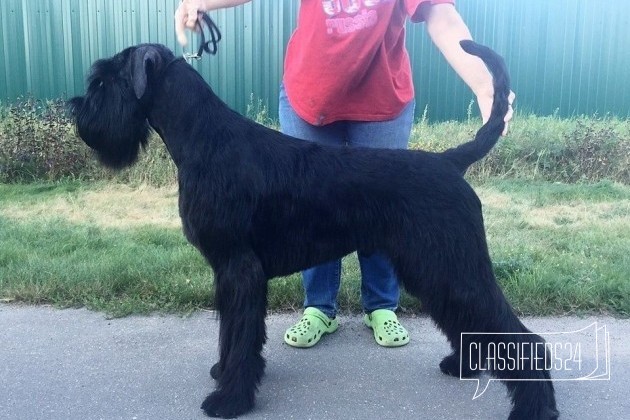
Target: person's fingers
191, 17
186, 16
180, 25
507, 119
510, 112
485, 107
511, 97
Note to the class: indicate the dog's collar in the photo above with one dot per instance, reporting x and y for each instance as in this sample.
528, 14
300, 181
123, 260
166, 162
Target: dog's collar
174, 60
210, 46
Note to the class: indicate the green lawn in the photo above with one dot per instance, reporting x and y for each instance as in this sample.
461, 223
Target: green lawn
557, 249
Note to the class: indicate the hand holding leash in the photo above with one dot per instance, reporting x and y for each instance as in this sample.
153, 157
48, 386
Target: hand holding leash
189, 13
208, 46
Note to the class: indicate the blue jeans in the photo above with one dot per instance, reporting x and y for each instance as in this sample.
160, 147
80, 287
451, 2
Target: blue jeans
379, 286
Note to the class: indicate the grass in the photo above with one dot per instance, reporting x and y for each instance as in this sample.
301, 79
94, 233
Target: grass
557, 249
580, 149
560, 248
556, 196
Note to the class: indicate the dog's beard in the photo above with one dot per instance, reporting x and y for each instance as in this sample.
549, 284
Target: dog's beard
116, 137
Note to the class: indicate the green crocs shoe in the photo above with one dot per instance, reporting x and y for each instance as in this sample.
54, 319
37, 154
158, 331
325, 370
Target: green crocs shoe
307, 332
388, 332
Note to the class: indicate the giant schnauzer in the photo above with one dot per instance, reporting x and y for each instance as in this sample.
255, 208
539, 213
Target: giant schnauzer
259, 204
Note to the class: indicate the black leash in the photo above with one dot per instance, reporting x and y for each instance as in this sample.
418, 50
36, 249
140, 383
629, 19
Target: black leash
210, 46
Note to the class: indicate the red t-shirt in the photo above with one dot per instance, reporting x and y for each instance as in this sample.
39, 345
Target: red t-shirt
346, 60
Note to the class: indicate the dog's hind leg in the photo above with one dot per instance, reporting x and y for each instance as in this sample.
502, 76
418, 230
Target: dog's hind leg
511, 353
530, 386
241, 299
488, 312
508, 350
454, 280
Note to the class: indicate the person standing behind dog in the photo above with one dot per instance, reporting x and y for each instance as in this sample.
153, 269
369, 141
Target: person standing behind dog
347, 82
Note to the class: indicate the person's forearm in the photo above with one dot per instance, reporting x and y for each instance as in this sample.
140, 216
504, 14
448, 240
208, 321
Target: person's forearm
446, 28
222, 4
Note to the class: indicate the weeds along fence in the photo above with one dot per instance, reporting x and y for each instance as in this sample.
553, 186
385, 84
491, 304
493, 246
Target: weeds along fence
38, 142
579, 149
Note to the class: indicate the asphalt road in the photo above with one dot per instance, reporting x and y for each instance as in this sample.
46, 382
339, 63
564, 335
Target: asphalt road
77, 364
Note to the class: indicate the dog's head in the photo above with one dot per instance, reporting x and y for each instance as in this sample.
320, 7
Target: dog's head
112, 116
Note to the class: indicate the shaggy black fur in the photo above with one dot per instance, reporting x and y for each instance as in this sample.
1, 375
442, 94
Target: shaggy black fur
258, 204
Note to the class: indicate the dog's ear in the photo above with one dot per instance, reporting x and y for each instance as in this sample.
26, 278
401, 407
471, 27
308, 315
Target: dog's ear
143, 60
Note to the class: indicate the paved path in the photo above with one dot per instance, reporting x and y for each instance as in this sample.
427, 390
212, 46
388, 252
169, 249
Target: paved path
76, 364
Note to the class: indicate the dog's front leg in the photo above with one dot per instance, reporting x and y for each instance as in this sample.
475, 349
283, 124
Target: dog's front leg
241, 299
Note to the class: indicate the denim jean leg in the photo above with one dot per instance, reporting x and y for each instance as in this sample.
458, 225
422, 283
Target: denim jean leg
321, 283
321, 286
379, 286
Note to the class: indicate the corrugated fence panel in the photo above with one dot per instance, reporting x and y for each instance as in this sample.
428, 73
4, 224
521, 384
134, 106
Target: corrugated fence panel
565, 56
14, 55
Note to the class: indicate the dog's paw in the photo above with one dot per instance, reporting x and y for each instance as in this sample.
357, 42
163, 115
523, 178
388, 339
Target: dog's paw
450, 366
533, 400
219, 404
527, 413
215, 372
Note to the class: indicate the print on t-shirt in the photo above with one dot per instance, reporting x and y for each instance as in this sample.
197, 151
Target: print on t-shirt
347, 16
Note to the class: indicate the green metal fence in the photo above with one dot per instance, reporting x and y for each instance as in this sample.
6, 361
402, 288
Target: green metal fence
565, 56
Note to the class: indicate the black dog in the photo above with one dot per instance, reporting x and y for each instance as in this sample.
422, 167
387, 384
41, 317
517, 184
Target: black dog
259, 204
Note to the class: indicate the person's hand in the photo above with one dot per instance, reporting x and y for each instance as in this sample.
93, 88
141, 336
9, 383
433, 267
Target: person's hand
485, 106
187, 14
186, 17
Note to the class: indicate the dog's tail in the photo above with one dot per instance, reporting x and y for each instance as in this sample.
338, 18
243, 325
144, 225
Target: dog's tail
468, 153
